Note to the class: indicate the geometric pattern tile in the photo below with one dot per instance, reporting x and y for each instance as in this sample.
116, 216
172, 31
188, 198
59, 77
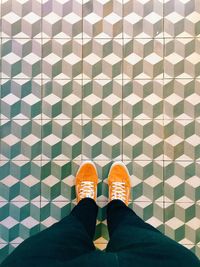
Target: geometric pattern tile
181, 186
102, 80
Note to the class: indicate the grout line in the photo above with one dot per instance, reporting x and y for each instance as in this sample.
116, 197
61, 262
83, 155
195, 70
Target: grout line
163, 169
122, 89
122, 96
41, 116
82, 133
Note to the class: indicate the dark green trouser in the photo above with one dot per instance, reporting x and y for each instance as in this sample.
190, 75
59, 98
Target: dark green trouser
133, 243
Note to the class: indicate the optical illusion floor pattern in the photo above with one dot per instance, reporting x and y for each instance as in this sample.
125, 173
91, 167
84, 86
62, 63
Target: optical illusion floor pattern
102, 80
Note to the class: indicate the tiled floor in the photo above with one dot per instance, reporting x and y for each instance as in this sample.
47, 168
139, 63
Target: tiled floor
102, 80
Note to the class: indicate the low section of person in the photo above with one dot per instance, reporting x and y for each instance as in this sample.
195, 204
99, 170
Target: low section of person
132, 243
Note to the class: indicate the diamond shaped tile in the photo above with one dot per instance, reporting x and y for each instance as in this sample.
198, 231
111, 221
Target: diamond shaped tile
102, 80
181, 58
181, 18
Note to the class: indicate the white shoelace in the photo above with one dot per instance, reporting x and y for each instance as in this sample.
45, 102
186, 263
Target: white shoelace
119, 191
87, 189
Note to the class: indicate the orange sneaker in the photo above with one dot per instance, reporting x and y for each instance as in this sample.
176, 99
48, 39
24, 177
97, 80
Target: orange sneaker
86, 181
119, 182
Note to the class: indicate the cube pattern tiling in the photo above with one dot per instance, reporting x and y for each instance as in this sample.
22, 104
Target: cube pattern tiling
102, 80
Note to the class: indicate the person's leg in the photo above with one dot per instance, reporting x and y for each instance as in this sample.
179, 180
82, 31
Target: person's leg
120, 215
63, 241
122, 222
135, 240
73, 235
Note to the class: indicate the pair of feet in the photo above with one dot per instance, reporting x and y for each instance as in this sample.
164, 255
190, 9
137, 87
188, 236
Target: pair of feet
118, 181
